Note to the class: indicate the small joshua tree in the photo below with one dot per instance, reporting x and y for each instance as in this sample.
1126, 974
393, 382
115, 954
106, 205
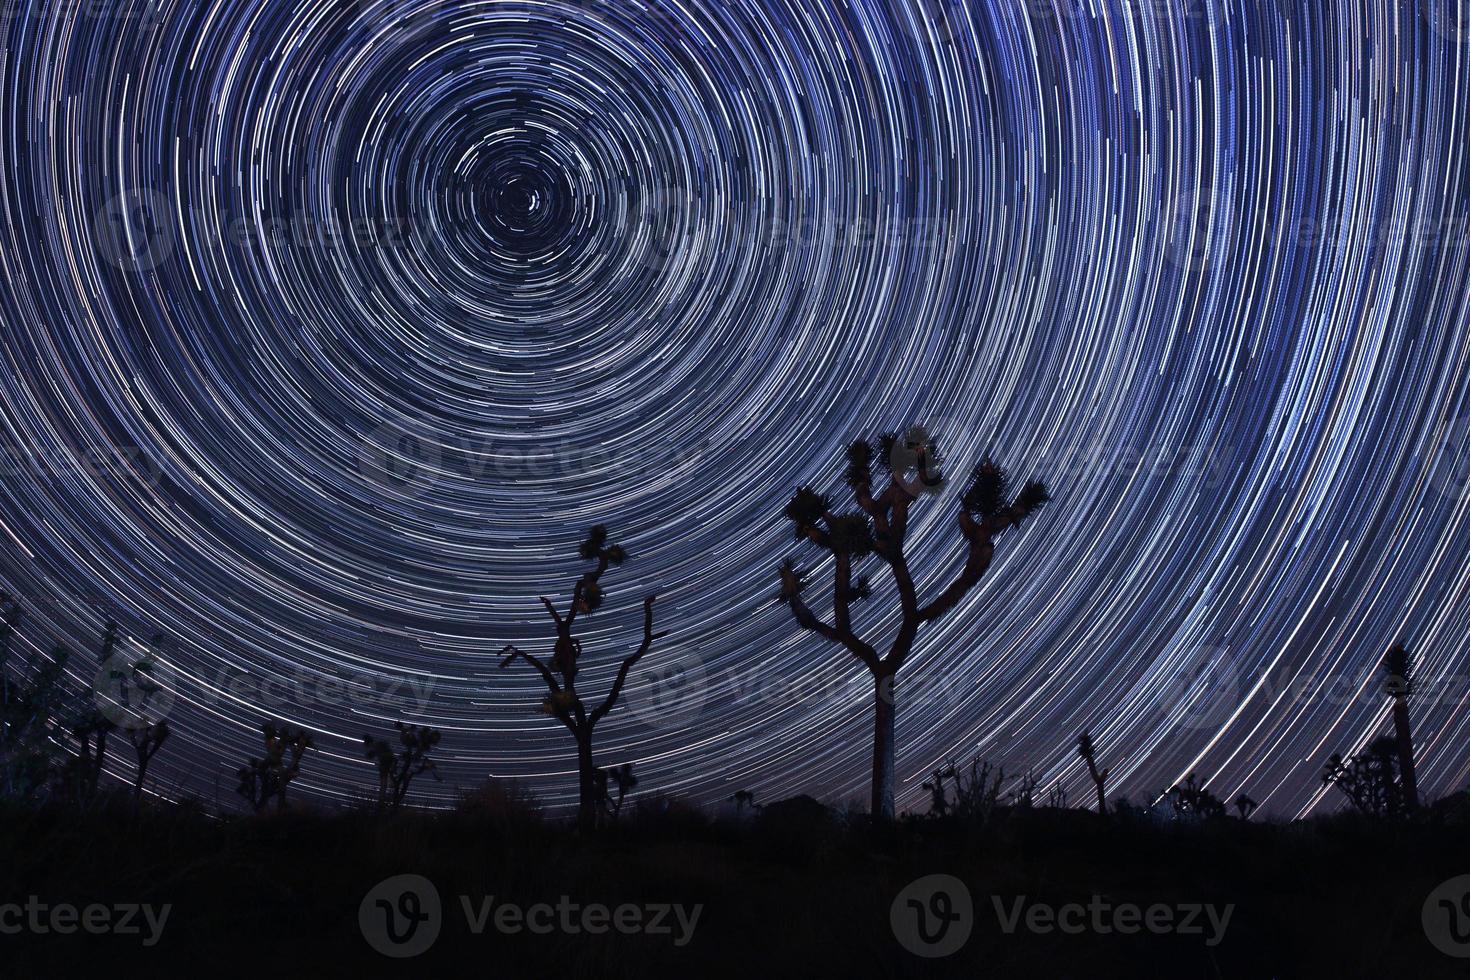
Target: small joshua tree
147, 740
744, 800
32, 703
1398, 684
1088, 752
83, 773
563, 702
1245, 806
879, 528
1370, 779
938, 793
619, 778
269, 776
397, 769
1192, 801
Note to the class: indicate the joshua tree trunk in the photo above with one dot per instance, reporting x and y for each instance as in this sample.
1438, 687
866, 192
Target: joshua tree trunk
1405, 742
587, 801
884, 710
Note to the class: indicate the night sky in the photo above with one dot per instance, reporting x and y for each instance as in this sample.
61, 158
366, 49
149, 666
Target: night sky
329, 327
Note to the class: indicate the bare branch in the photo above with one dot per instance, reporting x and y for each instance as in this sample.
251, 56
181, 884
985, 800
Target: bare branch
511, 653
617, 688
977, 563
847, 638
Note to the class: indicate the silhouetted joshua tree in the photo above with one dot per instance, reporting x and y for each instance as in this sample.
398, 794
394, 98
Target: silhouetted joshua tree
397, 769
1370, 779
880, 527
1088, 752
147, 740
1191, 801
620, 778
744, 800
1398, 684
32, 703
1245, 806
271, 775
938, 793
82, 774
562, 701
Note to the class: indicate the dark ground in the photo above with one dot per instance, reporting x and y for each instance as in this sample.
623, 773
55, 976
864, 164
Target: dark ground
799, 895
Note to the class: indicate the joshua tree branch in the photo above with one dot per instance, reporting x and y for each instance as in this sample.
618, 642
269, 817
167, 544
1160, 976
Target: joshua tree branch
847, 638
622, 678
977, 562
512, 652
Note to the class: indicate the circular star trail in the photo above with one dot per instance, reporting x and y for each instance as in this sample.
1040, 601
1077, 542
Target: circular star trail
330, 326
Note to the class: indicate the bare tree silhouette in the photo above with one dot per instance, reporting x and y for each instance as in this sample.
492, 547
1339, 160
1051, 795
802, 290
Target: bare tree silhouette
620, 778
1190, 800
146, 740
1398, 684
33, 701
880, 527
269, 776
744, 799
1370, 780
562, 701
1245, 806
82, 774
1088, 752
397, 768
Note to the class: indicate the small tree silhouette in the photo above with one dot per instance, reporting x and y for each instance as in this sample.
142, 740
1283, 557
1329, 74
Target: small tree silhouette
1245, 806
397, 769
880, 527
976, 791
1191, 801
32, 703
620, 778
1398, 684
562, 701
146, 740
744, 800
1088, 753
1370, 779
938, 793
270, 776
82, 774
